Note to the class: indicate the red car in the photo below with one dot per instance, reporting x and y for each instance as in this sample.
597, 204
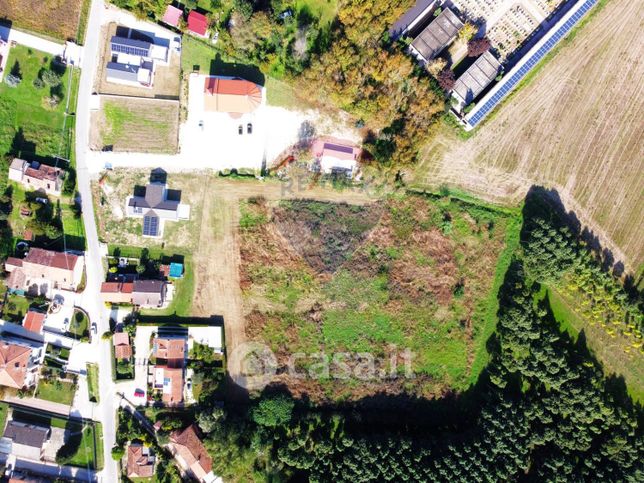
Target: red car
139, 393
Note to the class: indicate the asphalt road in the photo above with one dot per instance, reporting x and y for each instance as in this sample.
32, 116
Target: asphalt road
106, 410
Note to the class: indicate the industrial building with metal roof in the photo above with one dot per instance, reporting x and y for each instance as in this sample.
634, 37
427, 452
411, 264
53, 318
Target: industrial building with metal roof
476, 78
436, 36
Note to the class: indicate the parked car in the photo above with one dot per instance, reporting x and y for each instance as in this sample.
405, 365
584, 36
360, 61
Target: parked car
249, 128
43, 201
139, 393
240, 129
189, 384
94, 328
201, 125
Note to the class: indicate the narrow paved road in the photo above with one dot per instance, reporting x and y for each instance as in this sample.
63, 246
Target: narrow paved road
106, 410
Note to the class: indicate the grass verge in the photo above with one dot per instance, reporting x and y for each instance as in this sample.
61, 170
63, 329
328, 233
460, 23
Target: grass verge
92, 382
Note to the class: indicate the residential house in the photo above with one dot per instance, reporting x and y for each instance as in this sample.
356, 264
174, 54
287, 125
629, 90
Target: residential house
156, 206
117, 292
134, 58
337, 157
172, 16
440, 33
190, 453
20, 360
122, 347
37, 176
170, 354
42, 270
34, 321
198, 24
140, 461
149, 293
25, 441
232, 95
475, 79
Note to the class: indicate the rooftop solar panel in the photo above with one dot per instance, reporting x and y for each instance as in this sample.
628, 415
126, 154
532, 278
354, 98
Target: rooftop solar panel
150, 226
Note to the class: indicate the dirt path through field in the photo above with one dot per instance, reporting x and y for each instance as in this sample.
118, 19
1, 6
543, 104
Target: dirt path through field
575, 128
216, 262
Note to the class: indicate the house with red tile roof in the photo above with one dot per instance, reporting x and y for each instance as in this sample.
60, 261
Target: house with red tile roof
42, 270
37, 176
140, 461
191, 454
117, 292
34, 321
172, 15
169, 370
122, 346
197, 24
20, 360
232, 95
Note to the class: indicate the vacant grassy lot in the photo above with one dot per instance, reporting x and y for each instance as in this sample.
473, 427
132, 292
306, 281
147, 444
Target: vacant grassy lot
57, 391
576, 128
60, 19
146, 126
30, 126
406, 273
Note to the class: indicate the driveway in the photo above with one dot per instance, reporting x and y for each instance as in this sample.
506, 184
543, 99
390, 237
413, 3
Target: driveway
141, 357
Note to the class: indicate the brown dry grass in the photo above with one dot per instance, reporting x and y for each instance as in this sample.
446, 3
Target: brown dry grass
55, 18
136, 125
167, 78
576, 128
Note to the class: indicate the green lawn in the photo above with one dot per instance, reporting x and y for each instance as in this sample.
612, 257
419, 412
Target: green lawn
326, 10
79, 327
92, 382
15, 308
3, 415
56, 391
29, 125
90, 449
181, 304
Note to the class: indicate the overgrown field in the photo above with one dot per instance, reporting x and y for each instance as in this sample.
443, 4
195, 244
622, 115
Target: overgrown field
56, 18
409, 272
576, 128
138, 126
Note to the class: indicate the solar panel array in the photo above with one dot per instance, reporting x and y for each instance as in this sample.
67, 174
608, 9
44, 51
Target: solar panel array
150, 226
510, 83
130, 46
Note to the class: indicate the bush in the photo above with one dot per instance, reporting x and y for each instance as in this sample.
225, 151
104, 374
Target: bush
38, 83
117, 453
273, 412
446, 79
51, 78
12, 80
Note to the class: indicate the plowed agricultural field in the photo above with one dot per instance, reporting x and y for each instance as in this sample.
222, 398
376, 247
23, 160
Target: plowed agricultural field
576, 127
57, 18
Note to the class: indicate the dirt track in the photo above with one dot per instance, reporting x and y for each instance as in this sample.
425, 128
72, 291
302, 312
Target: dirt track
576, 128
217, 259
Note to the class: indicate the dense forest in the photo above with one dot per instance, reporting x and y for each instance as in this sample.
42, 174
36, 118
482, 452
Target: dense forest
542, 411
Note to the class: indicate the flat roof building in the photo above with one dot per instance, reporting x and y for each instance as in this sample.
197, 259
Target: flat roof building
436, 36
475, 79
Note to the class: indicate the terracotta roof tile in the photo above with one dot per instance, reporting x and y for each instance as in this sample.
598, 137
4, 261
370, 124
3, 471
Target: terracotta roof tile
34, 321
189, 439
